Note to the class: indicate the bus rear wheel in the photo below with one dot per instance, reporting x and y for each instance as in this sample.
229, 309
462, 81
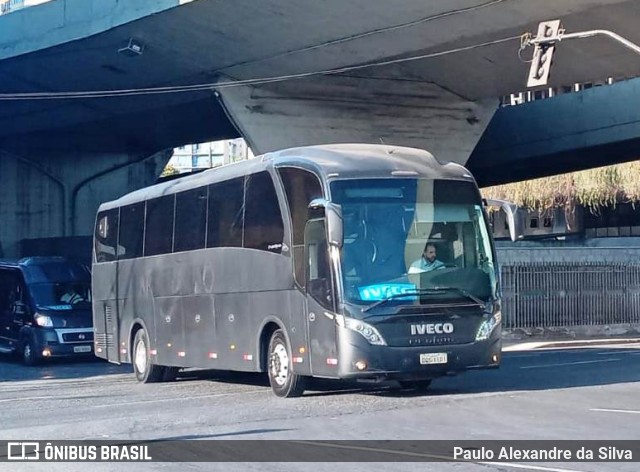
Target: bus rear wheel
284, 382
146, 371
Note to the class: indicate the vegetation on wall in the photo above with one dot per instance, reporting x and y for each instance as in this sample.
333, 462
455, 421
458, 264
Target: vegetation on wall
593, 189
169, 170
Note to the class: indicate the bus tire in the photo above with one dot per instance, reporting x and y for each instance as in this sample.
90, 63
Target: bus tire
420, 385
30, 354
146, 371
284, 382
170, 373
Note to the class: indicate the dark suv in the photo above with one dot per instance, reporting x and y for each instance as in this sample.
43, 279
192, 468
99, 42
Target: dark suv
45, 308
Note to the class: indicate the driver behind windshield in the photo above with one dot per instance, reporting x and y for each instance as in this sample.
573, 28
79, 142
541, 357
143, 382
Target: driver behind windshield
71, 297
427, 262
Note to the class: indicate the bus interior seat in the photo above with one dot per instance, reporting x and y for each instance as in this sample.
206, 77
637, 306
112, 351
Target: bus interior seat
388, 235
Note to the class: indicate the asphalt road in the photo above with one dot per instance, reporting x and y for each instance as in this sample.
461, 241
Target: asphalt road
544, 394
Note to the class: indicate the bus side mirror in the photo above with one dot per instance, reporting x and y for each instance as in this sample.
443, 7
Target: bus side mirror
516, 229
333, 216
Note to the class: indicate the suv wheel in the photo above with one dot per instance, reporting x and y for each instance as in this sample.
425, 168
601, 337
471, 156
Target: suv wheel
30, 354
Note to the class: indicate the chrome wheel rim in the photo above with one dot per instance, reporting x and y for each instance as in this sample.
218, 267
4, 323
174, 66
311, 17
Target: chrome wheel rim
141, 356
27, 351
280, 364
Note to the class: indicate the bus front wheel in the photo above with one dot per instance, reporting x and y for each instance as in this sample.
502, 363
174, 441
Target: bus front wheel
284, 382
146, 371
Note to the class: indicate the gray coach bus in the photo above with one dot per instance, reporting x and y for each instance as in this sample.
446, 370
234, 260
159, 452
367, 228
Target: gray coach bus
301, 263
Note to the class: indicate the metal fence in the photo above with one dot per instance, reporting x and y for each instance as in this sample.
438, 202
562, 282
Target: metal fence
553, 294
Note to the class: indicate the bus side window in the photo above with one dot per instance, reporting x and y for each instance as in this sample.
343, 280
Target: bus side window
106, 236
225, 213
191, 219
158, 233
263, 226
131, 231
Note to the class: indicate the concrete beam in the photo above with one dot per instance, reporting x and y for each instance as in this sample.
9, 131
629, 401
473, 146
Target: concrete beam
368, 110
61, 21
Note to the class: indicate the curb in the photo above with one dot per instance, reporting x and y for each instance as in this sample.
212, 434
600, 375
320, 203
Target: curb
573, 344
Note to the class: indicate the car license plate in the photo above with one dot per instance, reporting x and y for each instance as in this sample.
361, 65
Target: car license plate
433, 358
81, 348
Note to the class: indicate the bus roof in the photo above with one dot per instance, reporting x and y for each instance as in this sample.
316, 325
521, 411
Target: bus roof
331, 162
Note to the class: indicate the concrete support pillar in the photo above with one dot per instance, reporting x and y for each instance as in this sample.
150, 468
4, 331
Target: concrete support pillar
57, 196
338, 109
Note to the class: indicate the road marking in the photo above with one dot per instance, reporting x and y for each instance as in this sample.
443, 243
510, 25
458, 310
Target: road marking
110, 405
606, 410
523, 347
26, 399
434, 456
159, 400
569, 363
525, 356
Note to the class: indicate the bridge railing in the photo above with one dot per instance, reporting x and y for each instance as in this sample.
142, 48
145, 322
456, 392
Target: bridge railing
566, 294
518, 98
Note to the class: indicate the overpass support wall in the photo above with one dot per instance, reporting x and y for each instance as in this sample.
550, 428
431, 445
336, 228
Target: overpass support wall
57, 196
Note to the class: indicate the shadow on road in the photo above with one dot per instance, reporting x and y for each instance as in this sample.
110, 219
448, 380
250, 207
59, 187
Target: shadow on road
531, 370
544, 370
11, 369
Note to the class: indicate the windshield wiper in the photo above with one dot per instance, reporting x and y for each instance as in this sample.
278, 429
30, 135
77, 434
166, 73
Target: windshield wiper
412, 293
425, 291
459, 290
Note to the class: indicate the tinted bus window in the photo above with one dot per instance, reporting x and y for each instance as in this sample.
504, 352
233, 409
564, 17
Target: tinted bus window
131, 229
106, 236
301, 187
158, 235
225, 214
191, 219
263, 227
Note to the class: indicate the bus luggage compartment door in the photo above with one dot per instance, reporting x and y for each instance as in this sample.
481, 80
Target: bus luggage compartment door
106, 332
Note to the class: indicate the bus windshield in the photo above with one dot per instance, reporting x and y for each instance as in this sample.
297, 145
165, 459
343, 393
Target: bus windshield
427, 239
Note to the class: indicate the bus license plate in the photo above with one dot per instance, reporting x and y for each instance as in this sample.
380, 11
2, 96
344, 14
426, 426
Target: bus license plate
433, 358
81, 348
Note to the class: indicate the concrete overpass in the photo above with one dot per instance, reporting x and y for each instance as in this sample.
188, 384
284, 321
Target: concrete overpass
574, 131
63, 156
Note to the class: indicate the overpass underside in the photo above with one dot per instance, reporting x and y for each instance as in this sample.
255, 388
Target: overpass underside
425, 74
574, 131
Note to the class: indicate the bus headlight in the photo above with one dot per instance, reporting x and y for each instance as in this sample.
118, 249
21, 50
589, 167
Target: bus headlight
44, 321
487, 327
371, 334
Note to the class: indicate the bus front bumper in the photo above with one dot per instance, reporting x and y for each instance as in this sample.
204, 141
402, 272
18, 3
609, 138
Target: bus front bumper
359, 360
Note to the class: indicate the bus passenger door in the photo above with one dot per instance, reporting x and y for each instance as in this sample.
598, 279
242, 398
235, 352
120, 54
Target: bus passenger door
320, 295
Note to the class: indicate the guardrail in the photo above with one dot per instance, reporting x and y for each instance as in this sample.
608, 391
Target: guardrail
518, 98
561, 294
